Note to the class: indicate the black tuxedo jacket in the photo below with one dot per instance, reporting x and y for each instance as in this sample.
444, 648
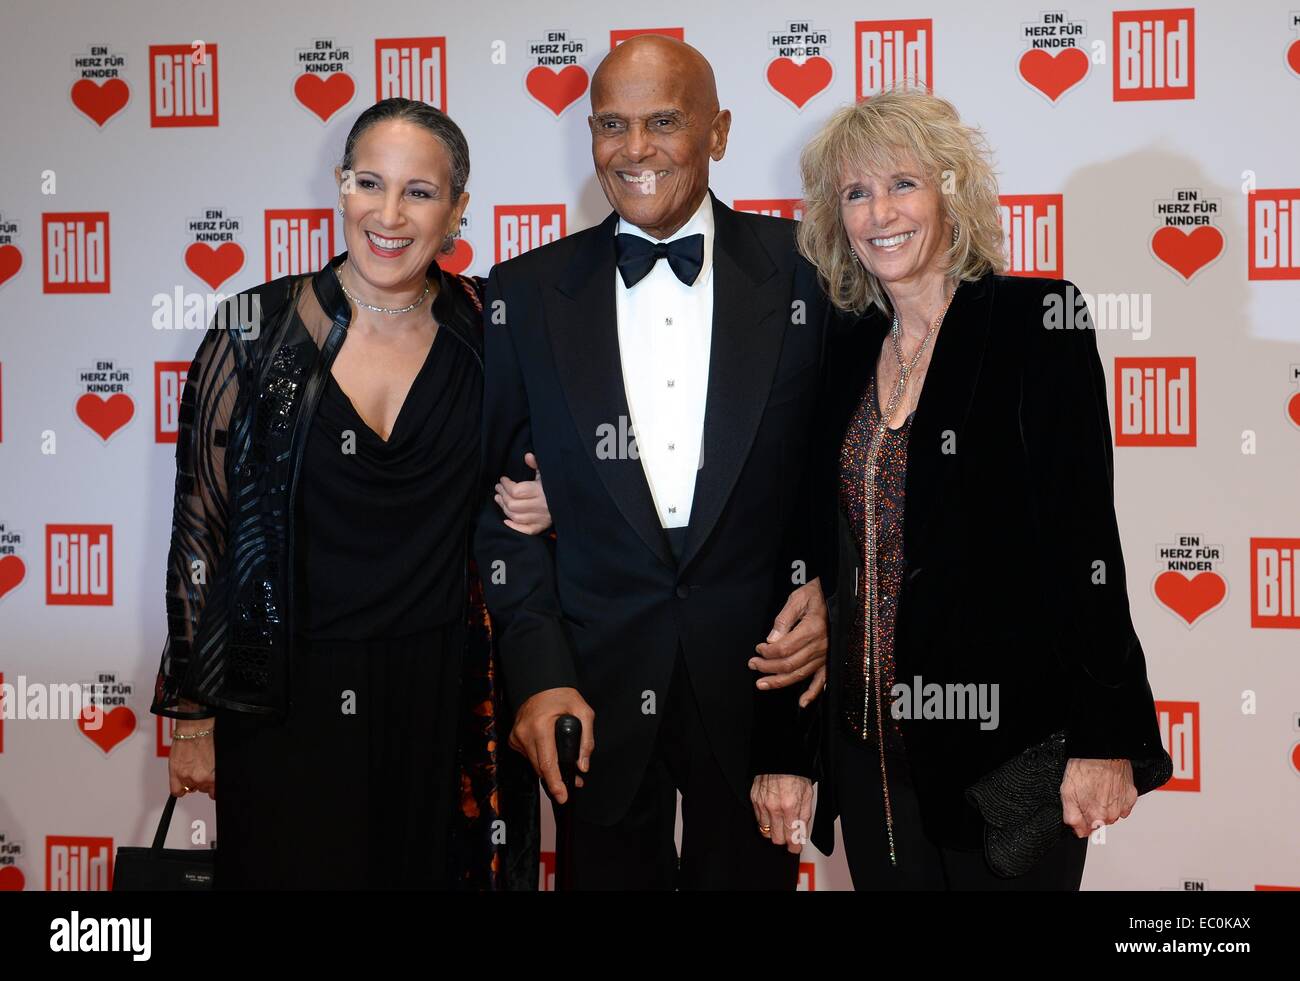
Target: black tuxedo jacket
1014, 573
604, 607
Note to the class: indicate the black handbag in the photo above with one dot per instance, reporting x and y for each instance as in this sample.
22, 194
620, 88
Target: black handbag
1020, 802
163, 869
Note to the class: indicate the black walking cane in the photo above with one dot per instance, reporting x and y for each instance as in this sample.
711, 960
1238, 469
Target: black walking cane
568, 741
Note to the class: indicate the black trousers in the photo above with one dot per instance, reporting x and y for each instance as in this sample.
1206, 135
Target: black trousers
922, 864
721, 845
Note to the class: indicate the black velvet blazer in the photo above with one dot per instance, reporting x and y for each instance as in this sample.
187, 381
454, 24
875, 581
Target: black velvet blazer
1014, 573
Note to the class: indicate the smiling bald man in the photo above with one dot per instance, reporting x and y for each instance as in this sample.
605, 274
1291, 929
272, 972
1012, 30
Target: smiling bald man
664, 367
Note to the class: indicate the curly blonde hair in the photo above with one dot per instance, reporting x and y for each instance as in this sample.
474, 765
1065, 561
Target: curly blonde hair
876, 134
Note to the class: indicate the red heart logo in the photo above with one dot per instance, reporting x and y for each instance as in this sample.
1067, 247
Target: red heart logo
117, 725
556, 90
1293, 56
11, 260
12, 879
101, 101
12, 571
459, 260
214, 266
324, 94
799, 83
1187, 253
105, 415
1293, 408
1191, 598
1054, 74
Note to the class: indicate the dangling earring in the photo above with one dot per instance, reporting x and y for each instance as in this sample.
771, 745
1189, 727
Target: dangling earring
340, 209
853, 253
956, 229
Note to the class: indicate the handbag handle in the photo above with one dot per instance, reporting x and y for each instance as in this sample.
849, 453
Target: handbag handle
160, 836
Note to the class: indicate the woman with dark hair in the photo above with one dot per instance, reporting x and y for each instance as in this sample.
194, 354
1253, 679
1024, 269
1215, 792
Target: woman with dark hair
325, 626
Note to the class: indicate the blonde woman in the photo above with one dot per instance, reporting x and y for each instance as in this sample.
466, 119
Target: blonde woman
980, 604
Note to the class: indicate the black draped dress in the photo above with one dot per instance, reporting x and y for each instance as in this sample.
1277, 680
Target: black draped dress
356, 788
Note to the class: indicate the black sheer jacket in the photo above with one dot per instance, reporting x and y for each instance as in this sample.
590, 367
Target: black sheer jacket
247, 406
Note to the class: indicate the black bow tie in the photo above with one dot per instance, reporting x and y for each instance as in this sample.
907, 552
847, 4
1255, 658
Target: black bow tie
637, 256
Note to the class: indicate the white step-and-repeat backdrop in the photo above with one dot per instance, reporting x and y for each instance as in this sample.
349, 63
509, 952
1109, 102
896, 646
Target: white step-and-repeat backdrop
160, 156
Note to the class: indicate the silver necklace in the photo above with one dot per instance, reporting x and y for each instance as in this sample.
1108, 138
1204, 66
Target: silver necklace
895, 332
388, 310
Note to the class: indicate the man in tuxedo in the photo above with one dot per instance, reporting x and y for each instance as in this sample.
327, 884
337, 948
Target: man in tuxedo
669, 405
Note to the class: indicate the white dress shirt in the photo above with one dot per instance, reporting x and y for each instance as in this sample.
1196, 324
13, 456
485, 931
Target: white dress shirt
664, 333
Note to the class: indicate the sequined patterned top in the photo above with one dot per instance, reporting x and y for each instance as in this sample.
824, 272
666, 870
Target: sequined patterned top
891, 469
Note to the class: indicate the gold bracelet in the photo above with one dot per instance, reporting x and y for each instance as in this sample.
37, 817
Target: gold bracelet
192, 735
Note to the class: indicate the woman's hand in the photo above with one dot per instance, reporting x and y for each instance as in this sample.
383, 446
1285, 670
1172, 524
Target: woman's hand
1096, 793
192, 763
797, 645
523, 502
783, 807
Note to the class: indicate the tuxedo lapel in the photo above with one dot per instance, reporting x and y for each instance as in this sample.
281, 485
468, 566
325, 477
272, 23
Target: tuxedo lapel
582, 324
751, 308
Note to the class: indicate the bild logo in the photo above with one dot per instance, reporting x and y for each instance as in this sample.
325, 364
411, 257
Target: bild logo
168, 384
79, 565
183, 85
75, 863
1273, 234
1034, 234
74, 252
1274, 585
412, 68
1180, 733
791, 208
521, 227
1155, 401
298, 240
893, 53
1154, 54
